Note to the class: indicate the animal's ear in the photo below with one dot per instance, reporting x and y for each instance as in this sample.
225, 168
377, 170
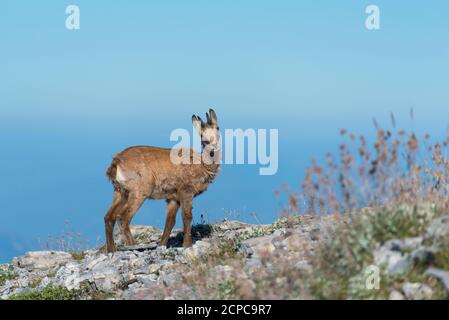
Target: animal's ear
213, 117
197, 123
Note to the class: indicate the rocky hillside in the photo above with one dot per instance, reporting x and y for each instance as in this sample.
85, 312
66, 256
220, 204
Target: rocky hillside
302, 257
149, 271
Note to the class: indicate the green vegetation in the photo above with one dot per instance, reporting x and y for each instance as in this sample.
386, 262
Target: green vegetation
78, 256
35, 283
6, 273
289, 221
49, 293
442, 259
61, 293
222, 290
144, 237
52, 274
339, 266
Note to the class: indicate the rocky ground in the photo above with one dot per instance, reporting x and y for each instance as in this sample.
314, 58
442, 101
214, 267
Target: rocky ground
149, 271
400, 256
228, 260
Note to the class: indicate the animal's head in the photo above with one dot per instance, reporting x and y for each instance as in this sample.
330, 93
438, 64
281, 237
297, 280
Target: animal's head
209, 130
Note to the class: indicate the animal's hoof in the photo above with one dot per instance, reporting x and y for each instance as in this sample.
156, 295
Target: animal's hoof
163, 242
102, 249
108, 249
131, 243
187, 244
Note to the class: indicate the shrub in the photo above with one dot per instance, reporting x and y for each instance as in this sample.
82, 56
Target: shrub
62, 293
339, 264
399, 167
49, 293
6, 273
78, 256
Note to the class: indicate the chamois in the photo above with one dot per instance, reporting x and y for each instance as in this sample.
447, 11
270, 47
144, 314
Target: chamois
142, 172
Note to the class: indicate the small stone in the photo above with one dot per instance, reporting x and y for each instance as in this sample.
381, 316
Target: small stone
161, 249
199, 249
153, 268
134, 286
148, 279
438, 230
107, 279
395, 262
137, 263
170, 279
417, 291
258, 247
92, 261
69, 276
279, 232
396, 295
293, 242
42, 260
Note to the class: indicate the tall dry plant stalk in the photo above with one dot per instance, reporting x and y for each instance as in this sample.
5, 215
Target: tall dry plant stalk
397, 168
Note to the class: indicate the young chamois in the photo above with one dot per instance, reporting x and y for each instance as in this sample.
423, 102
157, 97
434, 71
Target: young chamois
141, 172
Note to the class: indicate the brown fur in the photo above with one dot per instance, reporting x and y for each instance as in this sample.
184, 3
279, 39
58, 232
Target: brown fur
142, 172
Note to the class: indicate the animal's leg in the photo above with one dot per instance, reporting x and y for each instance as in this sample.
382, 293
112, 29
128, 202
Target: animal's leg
109, 220
172, 209
135, 201
186, 205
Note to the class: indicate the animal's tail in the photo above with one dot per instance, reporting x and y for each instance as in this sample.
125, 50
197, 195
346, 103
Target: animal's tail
111, 173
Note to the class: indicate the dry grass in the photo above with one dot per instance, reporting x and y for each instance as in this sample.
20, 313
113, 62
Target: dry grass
6, 273
390, 189
85, 292
399, 167
68, 241
339, 265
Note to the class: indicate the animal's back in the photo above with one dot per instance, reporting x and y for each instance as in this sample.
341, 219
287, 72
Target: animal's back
134, 158
151, 170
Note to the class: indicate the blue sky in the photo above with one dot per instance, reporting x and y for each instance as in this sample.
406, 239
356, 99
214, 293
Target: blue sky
136, 70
